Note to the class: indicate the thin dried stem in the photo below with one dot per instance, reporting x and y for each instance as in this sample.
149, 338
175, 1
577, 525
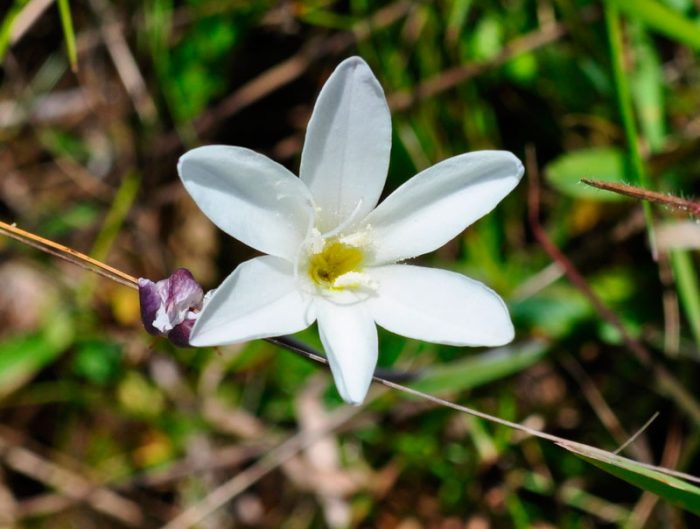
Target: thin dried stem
671, 201
636, 434
68, 254
604, 411
124, 61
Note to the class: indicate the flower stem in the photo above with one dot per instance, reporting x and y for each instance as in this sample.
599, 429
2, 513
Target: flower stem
681, 204
68, 254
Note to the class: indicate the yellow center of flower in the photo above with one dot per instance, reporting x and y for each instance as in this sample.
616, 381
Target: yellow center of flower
335, 260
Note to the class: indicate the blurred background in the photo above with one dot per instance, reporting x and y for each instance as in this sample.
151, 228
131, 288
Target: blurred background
102, 426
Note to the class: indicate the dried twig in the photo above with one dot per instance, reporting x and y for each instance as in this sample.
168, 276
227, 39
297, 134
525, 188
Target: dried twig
671, 201
124, 61
603, 411
636, 434
67, 254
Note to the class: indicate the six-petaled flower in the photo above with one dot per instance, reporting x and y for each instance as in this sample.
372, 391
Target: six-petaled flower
332, 254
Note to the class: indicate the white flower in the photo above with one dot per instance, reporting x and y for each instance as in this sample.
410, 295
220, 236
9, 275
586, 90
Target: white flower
331, 255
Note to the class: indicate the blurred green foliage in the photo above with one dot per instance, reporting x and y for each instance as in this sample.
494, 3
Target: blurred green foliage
83, 383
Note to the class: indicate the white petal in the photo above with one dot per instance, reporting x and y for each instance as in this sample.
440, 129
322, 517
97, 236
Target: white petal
249, 196
348, 142
438, 306
349, 338
437, 204
258, 300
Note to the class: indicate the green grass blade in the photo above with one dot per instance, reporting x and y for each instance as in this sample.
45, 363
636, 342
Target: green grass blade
673, 489
7, 24
68, 33
648, 88
662, 19
123, 200
478, 370
648, 85
22, 357
688, 289
607, 164
112, 225
624, 100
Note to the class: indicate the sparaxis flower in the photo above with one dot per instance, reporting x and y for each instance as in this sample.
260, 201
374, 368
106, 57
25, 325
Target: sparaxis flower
331, 255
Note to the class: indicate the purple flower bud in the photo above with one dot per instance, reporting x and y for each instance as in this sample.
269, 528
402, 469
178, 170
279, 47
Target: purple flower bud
180, 335
150, 300
169, 307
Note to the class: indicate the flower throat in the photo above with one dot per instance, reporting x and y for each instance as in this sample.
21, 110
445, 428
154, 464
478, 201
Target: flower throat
335, 260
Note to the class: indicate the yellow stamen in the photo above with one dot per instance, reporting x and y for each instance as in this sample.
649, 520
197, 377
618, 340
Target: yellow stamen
335, 260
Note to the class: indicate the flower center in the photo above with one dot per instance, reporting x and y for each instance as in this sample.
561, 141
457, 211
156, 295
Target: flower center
334, 261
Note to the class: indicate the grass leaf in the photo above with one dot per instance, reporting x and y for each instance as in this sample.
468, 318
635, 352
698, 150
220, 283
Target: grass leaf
478, 370
22, 357
673, 489
68, 33
7, 24
606, 164
662, 19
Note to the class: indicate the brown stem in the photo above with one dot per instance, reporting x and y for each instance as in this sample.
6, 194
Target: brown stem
68, 254
640, 193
